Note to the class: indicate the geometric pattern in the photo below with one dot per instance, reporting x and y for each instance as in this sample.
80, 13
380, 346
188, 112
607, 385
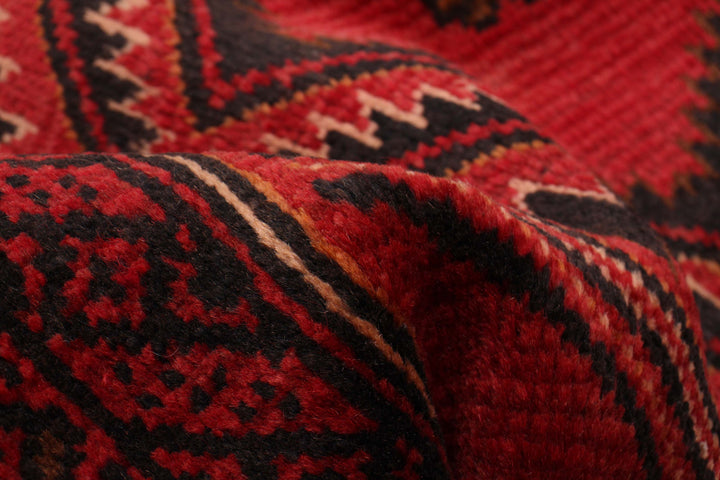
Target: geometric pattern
361, 263
687, 225
171, 311
215, 366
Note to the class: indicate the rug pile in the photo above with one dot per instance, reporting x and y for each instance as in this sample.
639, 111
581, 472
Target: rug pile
359, 239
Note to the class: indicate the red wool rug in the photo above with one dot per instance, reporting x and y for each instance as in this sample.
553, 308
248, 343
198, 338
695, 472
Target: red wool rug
359, 239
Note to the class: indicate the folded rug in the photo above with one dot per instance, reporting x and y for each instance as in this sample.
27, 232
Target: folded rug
359, 239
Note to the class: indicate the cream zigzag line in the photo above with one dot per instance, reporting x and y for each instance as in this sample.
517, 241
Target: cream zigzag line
523, 188
134, 37
326, 124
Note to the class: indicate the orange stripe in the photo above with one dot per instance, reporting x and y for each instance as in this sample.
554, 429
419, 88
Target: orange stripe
285, 253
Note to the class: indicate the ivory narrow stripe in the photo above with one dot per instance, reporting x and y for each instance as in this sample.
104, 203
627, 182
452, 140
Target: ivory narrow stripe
290, 258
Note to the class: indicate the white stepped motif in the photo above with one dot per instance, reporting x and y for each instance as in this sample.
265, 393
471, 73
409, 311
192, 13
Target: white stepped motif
523, 188
325, 123
9, 68
22, 127
134, 37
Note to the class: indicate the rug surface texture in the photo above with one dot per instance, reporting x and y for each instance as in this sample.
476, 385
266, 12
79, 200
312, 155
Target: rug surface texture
359, 239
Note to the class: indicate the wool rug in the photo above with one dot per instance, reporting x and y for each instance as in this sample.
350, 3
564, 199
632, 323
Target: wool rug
359, 239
